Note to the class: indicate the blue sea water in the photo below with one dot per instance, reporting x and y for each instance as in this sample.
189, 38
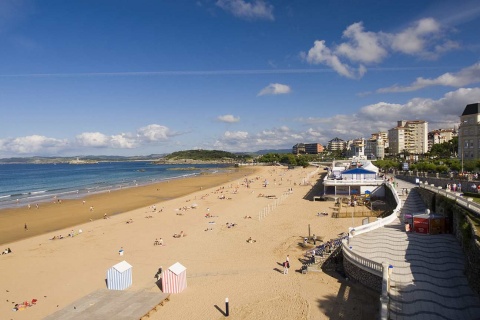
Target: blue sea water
22, 184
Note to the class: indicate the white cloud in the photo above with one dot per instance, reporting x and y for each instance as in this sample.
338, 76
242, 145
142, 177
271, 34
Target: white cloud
123, 141
30, 145
424, 39
462, 78
257, 9
228, 118
41, 145
92, 139
362, 46
413, 40
153, 133
321, 54
275, 88
282, 137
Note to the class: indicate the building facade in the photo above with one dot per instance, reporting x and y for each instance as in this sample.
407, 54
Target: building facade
307, 148
409, 136
336, 144
356, 147
375, 148
469, 133
440, 136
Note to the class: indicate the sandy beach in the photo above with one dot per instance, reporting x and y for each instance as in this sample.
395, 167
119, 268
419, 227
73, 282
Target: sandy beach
219, 261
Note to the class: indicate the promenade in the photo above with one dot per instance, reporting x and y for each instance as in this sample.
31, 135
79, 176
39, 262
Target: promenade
427, 279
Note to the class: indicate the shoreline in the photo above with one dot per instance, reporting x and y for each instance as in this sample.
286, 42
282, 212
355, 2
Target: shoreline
50, 215
38, 196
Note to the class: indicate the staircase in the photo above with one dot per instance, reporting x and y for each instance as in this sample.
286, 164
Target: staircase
325, 256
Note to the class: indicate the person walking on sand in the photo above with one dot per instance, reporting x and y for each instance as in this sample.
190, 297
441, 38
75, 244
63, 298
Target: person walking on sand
26, 228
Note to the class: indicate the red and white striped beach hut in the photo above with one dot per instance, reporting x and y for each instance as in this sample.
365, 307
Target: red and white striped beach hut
119, 277
174, 279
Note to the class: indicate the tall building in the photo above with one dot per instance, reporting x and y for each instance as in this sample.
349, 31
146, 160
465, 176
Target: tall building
469, 132
336, 144
375, 148
410, 136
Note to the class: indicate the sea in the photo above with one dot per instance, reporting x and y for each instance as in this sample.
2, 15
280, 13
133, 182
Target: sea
23, 184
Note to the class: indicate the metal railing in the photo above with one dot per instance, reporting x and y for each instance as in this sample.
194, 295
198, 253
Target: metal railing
461, 200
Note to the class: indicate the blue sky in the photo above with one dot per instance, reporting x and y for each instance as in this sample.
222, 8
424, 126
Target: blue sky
141, 77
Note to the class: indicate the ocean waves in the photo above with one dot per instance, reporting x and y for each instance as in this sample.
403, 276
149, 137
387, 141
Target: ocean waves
28, 184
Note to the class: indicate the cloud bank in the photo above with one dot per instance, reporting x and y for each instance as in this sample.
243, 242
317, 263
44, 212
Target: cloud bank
380, 116
464, 77
424, 39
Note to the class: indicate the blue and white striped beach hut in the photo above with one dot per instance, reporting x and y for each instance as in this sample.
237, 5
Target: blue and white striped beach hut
119, 277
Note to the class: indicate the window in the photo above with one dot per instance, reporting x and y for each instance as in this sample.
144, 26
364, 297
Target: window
471, 143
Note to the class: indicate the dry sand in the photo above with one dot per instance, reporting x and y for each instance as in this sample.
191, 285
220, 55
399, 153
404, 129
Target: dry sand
220, 263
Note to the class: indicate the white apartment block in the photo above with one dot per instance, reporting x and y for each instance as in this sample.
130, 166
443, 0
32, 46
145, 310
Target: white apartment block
410, 136
336, 144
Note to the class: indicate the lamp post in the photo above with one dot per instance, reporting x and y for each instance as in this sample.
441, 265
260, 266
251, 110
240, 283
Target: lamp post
353, 213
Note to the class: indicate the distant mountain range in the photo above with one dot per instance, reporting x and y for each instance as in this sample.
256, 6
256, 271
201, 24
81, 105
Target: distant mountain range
152, 157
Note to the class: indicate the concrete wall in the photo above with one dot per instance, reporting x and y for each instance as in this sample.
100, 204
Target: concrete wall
462, 228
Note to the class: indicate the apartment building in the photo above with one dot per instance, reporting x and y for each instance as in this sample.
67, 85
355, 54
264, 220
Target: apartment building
469, 133
307, 148
410, 136
336, 144
375, 148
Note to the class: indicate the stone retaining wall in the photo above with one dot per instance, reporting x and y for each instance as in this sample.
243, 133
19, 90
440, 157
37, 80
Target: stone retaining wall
366, 278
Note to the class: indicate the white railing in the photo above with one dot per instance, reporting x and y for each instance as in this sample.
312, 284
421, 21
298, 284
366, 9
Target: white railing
368, 265
380, 222
375, 268
331, 182
462, 201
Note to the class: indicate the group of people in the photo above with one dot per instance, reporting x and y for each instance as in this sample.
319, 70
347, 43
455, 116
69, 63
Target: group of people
158, 242
179, 235
71, 235
454, 187
6, 251
250, 240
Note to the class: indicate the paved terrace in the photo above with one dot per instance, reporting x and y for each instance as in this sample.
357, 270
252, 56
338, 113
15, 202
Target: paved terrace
427, 281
